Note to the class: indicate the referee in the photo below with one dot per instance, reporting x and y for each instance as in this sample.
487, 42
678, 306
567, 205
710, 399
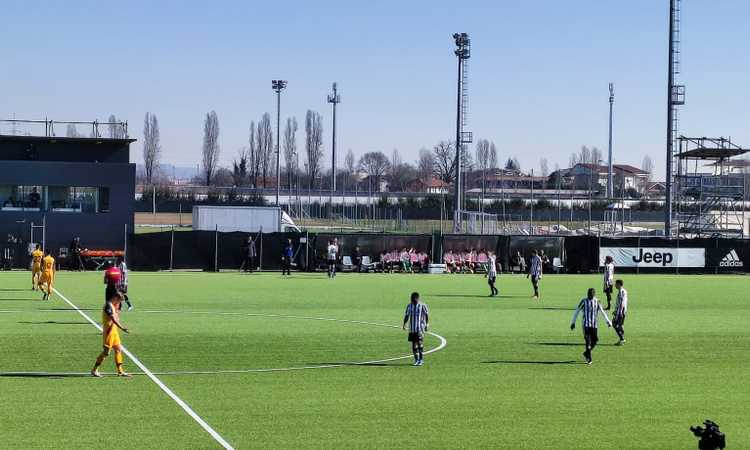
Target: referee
590, 308
417, 315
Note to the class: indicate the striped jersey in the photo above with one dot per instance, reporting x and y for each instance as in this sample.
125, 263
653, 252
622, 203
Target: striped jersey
609, 274
332, 250
124, 271
418, 315
535, 269
492, 267
590, 308
621, 305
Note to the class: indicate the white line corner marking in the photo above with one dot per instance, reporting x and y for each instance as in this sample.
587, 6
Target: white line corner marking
217, 437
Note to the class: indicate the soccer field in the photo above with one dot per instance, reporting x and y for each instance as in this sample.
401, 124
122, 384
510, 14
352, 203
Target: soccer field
510, 376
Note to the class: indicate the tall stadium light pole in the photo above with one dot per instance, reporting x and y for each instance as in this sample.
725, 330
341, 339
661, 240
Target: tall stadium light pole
610, 178
278, 86
463, 53
333, 99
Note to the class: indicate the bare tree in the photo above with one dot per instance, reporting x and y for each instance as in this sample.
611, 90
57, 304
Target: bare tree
445, 161
512, 164
290, 148
151, 147
483, 163
350, 164
584, 156
544, 171
573, 160
375, 164
648, 166
211, 148
239, 167
265, 146
253, 155
493, 156
596, 156
426, 165
313, 145
115, 128
400, 172
71, 130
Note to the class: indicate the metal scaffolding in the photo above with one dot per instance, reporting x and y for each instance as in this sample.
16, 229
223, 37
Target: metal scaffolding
710, 197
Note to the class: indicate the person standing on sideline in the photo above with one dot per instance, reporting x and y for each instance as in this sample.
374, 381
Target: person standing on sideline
535, 272
417, 315
288, 254
76, 263
609, 279
590, 308
621, 308
250, 253
332, 252
492, 273
357, 259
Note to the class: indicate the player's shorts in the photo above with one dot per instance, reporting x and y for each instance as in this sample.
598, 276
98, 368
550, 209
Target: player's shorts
491, 279
112, 337
416, 337
534, 279
619, 319
607, 289
46, 278
591, 335
36, 268
123, 288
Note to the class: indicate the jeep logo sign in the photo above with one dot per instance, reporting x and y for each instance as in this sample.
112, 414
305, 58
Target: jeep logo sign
654, 256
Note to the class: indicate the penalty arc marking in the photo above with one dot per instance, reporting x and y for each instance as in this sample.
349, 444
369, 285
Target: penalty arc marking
215, 435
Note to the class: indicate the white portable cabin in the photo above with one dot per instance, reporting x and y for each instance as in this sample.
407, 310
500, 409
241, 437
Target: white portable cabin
248, 219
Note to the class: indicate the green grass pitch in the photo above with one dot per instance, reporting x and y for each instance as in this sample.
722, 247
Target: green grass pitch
510, 376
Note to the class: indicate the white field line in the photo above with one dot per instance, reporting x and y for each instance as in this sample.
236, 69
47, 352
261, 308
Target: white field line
216, 436
443, 343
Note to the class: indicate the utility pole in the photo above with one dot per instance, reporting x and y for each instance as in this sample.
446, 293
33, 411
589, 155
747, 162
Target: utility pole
278, 86
334, 99
610, 178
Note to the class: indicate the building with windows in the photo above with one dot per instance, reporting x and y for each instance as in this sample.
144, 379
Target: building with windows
75, 186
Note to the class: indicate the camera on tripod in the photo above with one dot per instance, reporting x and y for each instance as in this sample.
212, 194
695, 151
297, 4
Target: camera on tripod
710, 436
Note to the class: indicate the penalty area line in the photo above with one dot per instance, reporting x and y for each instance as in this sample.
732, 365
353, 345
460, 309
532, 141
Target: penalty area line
198, 419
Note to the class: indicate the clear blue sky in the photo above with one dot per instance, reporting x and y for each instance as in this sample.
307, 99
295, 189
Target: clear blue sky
538, 74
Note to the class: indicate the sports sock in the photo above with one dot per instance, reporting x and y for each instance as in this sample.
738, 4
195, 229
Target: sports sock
118, 361
99, 360
420, 353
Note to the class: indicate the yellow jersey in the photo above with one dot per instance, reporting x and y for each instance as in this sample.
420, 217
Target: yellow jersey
36, 258
48, 264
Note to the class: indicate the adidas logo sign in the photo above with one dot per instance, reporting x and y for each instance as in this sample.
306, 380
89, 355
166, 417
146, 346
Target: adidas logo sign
731, 259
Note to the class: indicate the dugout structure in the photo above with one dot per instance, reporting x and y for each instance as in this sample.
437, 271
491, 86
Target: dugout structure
710, 194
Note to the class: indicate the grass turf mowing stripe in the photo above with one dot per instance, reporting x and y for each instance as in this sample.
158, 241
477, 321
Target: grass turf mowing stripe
198, 419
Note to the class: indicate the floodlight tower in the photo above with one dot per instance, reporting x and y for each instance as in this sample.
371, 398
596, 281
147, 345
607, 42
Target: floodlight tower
463, 53
675, 98
278, 86
333, 99
610, 177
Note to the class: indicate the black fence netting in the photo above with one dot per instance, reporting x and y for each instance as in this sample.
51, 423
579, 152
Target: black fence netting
210, 250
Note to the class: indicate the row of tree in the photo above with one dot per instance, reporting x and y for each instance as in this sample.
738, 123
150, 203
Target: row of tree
255, 164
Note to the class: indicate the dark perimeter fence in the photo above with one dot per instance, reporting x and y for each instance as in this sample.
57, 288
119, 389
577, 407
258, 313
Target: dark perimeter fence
218, 251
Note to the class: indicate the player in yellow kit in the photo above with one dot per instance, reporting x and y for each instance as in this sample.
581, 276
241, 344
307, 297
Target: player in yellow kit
47, 279
36, 266
111, 335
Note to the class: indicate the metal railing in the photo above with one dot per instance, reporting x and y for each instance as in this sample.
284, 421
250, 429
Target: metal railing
47, 128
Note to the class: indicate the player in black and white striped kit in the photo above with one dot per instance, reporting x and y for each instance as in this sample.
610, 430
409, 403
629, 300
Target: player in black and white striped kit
590, 308
609, 279
621, 308
417, 315
535, 272
492, 273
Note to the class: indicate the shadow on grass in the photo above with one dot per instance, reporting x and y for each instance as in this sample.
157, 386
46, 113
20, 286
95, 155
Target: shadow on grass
13, 290
568, 344
533, 362
553, 308
356, 364
474, 296
52, 322
19, 299
71, 309
50, 375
